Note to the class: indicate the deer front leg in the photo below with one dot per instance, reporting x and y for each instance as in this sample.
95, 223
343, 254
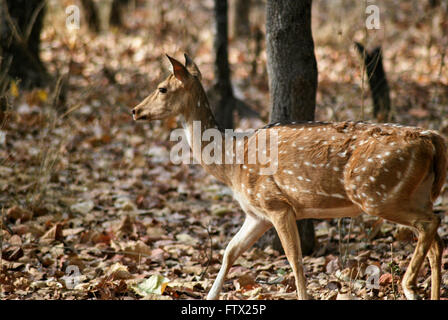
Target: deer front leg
250, 232
285, 225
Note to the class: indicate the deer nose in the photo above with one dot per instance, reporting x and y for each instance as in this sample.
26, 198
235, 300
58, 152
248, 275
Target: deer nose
138, 114
134, 114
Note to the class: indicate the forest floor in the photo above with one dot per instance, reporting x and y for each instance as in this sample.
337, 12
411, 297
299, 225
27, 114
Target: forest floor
92, 207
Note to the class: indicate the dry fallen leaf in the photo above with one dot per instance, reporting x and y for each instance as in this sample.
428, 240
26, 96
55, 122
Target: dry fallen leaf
155, 284
16, 213
132, 248
55, 233
345, 296
186, 239
83, 207
119, 271
385, 279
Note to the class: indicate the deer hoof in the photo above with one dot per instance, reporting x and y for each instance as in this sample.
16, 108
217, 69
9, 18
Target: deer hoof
411, 294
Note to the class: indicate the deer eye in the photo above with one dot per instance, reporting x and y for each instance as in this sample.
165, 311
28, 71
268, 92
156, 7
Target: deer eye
162, 90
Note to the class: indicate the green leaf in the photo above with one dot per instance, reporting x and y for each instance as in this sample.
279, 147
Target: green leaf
281, 271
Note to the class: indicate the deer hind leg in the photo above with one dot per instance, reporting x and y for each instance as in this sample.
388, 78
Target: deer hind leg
285, 225
252, 229
435, 261
426, 226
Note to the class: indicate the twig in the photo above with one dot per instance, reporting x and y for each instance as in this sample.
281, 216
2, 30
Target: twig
1, 239
201, 276
14, 29
33, 18
340, 241
84, 94
392, 271
348, 238
4, 81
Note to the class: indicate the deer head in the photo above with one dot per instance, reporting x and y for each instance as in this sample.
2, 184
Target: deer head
171, 94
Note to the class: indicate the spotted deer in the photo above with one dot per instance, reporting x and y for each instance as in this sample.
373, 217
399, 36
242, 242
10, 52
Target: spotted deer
325, 170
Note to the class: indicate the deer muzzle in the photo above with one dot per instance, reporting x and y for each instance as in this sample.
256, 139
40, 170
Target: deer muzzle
139, 113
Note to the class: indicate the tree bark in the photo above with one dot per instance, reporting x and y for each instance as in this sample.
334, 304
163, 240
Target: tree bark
292, 71
21, 23
292, 67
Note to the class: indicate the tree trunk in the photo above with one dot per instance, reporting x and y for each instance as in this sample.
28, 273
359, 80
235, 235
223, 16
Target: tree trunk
434, 3
21, 23
292, 71
91, 15
373, 62
223, 86
116, 12
241, 23
292, 66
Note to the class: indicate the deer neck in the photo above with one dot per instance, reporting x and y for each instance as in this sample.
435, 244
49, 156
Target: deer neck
202, 131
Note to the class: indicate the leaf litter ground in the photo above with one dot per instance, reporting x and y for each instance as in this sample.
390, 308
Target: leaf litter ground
94, 209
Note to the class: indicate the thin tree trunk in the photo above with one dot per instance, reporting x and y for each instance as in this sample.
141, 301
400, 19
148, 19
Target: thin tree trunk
21, 24
241, 23
116, 12
223, 85
91, 15
373, 62
434, 3
292, 71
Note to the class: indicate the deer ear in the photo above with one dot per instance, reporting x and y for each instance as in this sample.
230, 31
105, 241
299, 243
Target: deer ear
192, 67
179, 71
